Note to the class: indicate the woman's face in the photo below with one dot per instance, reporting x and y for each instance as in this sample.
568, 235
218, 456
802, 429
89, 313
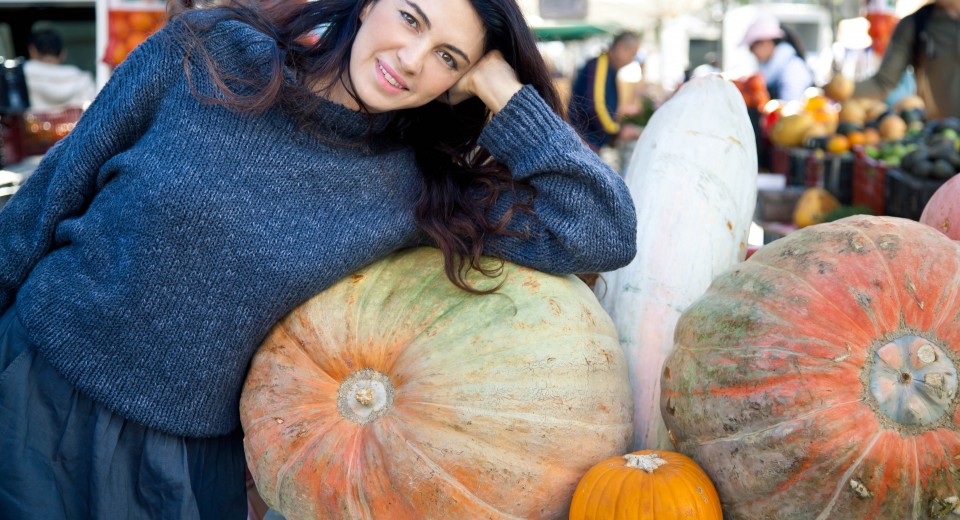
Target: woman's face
763, 50
409, 52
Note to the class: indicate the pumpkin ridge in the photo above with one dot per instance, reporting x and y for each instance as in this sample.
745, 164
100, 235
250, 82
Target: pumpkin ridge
917, 488
883, 260
521, 346
453, 482
292, 461
381, 305
766, 348
518, 415
595, 474
845, 479
851, 321
601, 484
489, 314
947, 457
741, 435
303, 354
943, 316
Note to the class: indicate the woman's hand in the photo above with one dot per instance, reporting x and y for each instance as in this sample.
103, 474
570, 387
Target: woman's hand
491, 79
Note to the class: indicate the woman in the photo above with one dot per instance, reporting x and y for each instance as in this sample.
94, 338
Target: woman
780, 57
237, 163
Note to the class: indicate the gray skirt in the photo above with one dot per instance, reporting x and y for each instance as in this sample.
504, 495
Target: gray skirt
63, 456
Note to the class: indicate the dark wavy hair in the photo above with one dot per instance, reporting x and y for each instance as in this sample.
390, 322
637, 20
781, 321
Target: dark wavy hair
461, 181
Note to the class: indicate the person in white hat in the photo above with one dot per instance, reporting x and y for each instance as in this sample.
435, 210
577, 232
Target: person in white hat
780, 58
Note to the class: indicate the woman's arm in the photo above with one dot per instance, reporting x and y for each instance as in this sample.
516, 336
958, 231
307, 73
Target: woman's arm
898, 55
584, 219
68, 177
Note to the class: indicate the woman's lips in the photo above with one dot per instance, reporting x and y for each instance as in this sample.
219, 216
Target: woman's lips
389, 76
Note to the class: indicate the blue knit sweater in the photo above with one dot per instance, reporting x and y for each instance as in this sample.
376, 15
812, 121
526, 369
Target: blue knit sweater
155, 246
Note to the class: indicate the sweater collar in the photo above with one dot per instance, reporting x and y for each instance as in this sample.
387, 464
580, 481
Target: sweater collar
341, 124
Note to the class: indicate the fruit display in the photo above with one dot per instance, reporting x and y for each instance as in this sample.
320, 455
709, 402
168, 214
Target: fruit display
818, 379
646, 484
127, 29
936, 155
710, 164
839, 88
753, 88
394, 394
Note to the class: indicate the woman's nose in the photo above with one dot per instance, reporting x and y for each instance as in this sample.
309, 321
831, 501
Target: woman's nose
411, 58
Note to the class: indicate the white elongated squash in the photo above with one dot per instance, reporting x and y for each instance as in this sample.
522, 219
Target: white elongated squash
693, 176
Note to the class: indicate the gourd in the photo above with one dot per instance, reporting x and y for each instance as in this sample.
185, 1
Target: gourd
394, 394
818, 379
646, 484
693, 180
814, 206
943, 209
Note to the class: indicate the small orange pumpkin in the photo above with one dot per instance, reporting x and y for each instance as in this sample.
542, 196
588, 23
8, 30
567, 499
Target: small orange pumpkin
646, 484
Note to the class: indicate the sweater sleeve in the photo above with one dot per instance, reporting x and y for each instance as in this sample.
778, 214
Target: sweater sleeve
584, 219
68, 177
897, 57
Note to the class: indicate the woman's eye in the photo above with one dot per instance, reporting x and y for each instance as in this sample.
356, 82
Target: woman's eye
449, 60
407, 17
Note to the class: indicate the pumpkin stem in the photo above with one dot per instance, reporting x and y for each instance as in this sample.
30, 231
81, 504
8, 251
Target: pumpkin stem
912, 382
364, 396
647, 462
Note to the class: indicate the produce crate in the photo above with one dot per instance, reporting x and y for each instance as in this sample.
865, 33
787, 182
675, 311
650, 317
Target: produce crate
11, 139
780, 160
835, 173
906, 195
869, 182
777, 205
798, 167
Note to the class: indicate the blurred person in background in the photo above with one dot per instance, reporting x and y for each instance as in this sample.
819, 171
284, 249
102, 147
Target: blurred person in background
51, 84
929, 41
594, 99
780, 56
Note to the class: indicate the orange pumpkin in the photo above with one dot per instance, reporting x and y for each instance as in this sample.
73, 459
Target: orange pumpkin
818, 379
393, 394
647, 484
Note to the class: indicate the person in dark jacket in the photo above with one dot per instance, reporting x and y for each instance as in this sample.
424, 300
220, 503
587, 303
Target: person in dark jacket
594, 99
927, 40
237, 163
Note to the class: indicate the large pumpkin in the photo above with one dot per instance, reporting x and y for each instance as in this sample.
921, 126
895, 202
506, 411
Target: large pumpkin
818, 379
393, 394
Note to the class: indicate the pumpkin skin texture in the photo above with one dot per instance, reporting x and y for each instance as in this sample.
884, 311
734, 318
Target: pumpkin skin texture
818, 379
943, 209
646, 484
694, 185
394, 394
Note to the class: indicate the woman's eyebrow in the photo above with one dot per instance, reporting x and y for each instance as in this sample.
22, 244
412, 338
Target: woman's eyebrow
420, 12
426, 20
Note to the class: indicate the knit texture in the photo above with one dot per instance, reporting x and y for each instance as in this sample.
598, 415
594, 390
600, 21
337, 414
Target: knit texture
156, 245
